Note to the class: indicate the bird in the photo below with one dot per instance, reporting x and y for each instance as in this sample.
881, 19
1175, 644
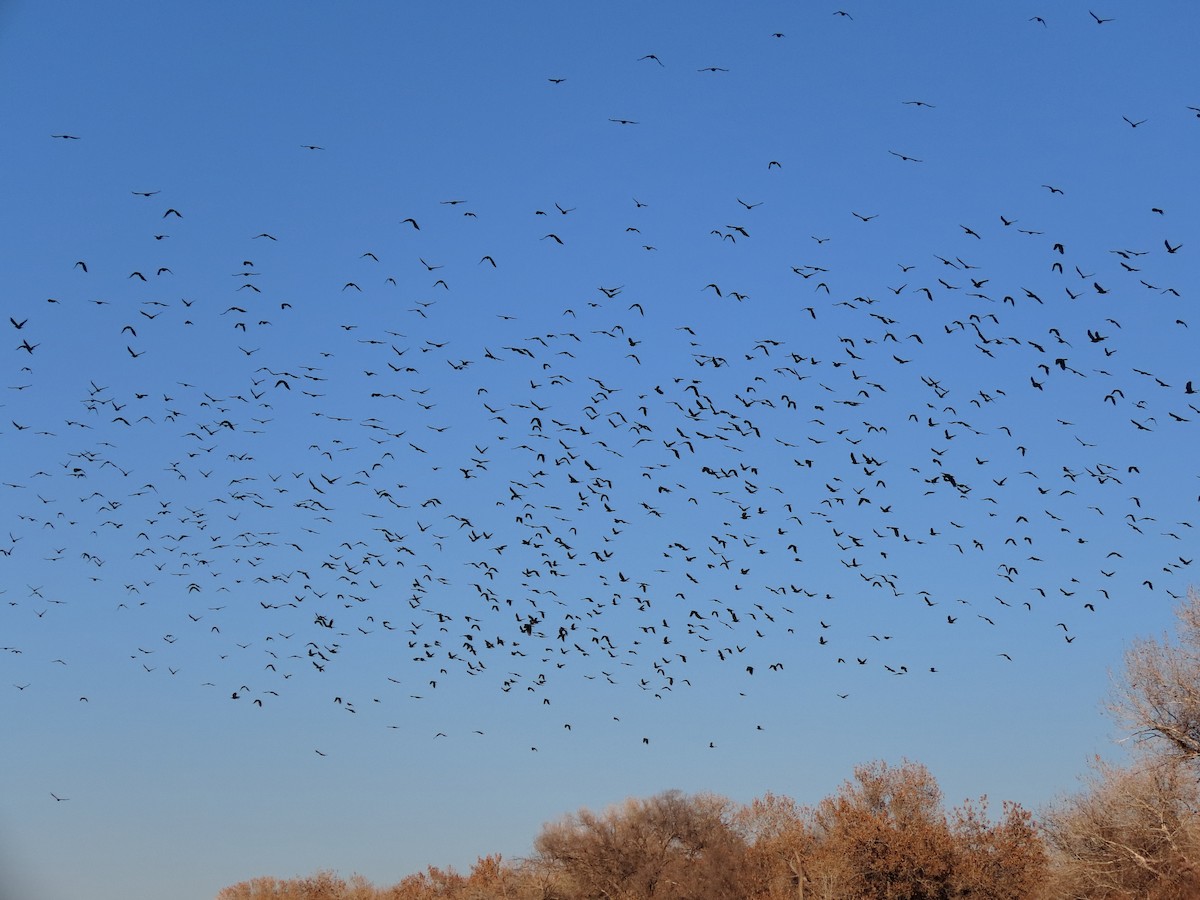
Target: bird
286, 470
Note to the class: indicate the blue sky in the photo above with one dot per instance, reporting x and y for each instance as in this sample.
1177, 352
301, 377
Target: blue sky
576, 487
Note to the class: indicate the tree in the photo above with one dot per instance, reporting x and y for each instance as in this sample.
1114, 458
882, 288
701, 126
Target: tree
322, 885
780, 844
1004, 860
670, 846
884, 835
1159, 695
1135, 830
1132, 832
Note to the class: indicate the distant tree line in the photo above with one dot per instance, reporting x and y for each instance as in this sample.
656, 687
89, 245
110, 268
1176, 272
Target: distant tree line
1131, 831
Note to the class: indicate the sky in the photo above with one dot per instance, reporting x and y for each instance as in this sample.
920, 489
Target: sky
423, 420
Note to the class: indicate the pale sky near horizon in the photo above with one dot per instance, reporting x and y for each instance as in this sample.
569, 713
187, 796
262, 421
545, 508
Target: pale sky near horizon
423, 420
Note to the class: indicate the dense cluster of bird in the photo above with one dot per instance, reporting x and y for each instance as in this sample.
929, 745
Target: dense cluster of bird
424, 466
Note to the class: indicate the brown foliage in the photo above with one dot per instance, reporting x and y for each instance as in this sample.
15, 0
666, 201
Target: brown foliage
669, 846
1159, 695
779, 846
1005, 860
322, 885
883, 835
1133, 832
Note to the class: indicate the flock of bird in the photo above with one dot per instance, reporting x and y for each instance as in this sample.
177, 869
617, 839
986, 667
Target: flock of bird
396, 464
